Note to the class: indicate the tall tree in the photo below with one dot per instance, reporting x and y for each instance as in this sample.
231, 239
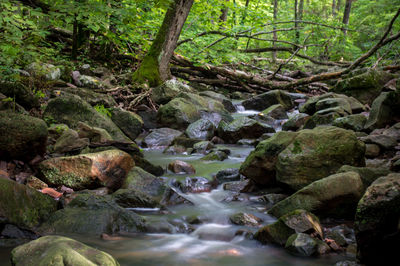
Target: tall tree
275, 35
154, 68
334, 8
296, 19
346, 16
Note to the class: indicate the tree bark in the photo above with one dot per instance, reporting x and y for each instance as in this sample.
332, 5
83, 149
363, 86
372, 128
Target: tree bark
296, 19
346, 16
275, 34
154, 68
334, 8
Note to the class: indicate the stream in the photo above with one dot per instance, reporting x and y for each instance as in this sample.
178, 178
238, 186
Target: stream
213, 242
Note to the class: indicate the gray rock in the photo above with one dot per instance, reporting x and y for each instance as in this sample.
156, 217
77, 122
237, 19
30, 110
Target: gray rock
161, 137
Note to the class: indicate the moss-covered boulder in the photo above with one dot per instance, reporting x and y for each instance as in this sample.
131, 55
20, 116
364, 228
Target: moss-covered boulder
295, 122
130, 123
201, 129
321, 120
297, 221
23, 206
188, 108
107, 168
318, 153
21, 136
259, 166
145, 182
247, 219
44, 71
94, 134
70, 141
161, 137
353, 122
385, 110
59, 250
377, 221
301, 245
366, 86
332, 100
88, 95
94, 215
18, 92
217, 155
242, 128
72, 109
134, 198
276, 111
265, 100
336, 195
168, 91
367, 174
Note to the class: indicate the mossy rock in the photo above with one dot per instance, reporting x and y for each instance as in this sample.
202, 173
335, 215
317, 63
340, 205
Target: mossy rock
23, 206
267, 99
71, 110
318, 153
297, 221
333, 196
242, 128
366, 86
130, 123
70, 141
295, 122
59, 250
147, 165
301, 245
145, 182
188, 108
93, 215
353, 122
367, 174
217, 155
107, 168
168, 91
201, 129
377, 221
276, 111
21, 94
22, 137
90, 96
385, 110
321, 119
259, 166
329, 100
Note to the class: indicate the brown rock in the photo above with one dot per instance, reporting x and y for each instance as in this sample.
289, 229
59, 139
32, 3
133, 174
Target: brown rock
181, 167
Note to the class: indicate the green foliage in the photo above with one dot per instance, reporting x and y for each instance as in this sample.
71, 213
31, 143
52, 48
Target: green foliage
102, 110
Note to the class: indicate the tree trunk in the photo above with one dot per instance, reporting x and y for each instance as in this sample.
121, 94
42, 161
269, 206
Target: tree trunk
346, 16
275, 36
339, 3
334, 8
154, 68
296, 18
224, 13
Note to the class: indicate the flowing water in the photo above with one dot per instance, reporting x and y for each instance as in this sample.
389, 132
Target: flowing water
214, 242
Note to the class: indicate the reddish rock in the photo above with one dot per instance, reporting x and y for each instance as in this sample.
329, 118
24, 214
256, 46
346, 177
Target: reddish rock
181, 167
51, 192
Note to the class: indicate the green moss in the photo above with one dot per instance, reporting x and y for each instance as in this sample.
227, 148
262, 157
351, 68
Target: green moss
148, 72
296, 147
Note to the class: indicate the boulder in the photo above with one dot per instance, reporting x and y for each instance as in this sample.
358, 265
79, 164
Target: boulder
201, 129
365, 86
334, 196
19, 93
331, 100
218, 155
147, 166
384, 110
221, 98
377, 221
88, 95
242, 128
188, 108
265, 100
367, 174
71, 110
227, 175
169, 90
301, 245
70, 141
130, 123
297, 221
246, 219
145, 182
23, 206
94, 134
161, 137
134, 198
59, 250
203, 147
91, 214
321, 120
383, 141
317, 153
22, 137
276, 111
107, 168
44, 71
353, 122
89, 82
181, 167
295, 122
260, 165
